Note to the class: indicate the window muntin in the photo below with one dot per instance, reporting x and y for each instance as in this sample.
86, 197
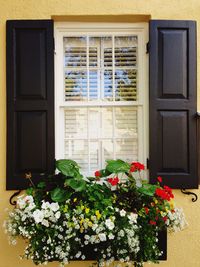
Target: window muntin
100, 104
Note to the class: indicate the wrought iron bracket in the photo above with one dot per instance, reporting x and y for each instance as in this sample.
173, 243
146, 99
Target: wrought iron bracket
195, 197
14, 202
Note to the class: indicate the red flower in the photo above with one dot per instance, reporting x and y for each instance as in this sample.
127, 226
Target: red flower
156, 218
165, 193
113, 181
159, 179
97, 174
132, 168
136, 166
165, 218
152, 222
146, 210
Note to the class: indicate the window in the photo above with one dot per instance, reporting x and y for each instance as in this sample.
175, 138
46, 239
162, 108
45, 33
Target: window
101, 93
172, 98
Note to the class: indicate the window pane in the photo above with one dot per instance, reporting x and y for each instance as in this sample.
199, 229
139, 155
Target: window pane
127, 149
94, 156
126, 122
126, 51
107, 122
77, 150
107, 150
75, 52
106, 49
125, 68
94, 123
108, 84
76, 123
75, 85
93, 55
93, 85
126, 85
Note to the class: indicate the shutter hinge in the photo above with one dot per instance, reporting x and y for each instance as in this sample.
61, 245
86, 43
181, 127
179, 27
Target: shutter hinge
147, 163
147, 48
54, 49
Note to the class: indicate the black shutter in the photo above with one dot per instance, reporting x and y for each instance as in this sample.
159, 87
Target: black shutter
30, 101
173, 97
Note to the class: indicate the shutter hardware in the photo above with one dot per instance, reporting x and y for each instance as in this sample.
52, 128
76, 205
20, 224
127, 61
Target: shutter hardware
147, 48
14, 202
147, 163
195, 197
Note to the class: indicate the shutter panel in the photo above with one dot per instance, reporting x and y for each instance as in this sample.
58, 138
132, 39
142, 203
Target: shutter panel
30, 101
173, 133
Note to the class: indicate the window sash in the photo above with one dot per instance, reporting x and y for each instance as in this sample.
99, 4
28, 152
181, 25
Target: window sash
141, 102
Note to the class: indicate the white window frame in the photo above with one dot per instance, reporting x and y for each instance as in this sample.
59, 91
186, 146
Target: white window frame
73, 29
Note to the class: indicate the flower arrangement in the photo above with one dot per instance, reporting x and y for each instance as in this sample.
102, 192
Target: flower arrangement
112, 216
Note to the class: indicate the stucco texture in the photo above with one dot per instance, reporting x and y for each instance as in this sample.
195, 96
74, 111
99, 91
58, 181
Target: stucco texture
183, 247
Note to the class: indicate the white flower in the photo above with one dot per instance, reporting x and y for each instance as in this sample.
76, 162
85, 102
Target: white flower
121, 233
78, 254
57, 215
54, 206
111, 236
94, 226
31, 206
47, 213
110, 225
28, 199
45, 205
177, 220
122, 213
133, 217
38, 216
21, 203
102, 236
87, 237
45, 223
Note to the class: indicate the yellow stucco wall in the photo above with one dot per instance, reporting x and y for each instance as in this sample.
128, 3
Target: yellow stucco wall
183, 247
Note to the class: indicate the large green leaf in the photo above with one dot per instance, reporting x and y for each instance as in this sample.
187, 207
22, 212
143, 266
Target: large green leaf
68, 167
148, 189
117, 166
77, 184
59, 195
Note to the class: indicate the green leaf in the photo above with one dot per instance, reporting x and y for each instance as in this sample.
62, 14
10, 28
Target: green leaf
41, 185
68, 167
125, 189
148, 189
29, 191
117, 166
76, 184
59, 195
